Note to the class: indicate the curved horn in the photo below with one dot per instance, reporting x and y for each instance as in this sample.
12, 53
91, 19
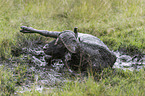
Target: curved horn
69, 40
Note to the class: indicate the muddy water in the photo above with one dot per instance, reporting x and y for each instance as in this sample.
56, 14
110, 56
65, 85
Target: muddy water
54, 74
48, 76
135, 62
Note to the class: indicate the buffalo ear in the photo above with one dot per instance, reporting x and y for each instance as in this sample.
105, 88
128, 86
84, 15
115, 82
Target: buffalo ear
69, 40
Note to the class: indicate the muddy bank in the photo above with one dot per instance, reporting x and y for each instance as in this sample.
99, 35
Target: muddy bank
124, 61
29, 62
35, 58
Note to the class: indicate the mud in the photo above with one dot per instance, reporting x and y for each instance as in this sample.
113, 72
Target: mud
46, 76
125, 62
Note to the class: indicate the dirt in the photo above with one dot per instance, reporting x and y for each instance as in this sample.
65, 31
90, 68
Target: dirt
46, 75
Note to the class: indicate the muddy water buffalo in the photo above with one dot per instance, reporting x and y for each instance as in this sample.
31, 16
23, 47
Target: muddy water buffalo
78, 51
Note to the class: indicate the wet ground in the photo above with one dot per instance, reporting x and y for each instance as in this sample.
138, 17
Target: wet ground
44, 76
124, 61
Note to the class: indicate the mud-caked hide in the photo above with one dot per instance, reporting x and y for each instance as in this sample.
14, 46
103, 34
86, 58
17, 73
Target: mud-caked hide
82, 52
77, 50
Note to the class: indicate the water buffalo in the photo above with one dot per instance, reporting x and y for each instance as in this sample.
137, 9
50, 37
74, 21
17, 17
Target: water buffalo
78, 51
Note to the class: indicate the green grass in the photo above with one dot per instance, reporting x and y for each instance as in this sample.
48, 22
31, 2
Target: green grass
7, 83
118, 23
110, 83
13, 76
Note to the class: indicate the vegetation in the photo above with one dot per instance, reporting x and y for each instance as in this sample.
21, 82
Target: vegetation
110, 83
118, 23
7, 83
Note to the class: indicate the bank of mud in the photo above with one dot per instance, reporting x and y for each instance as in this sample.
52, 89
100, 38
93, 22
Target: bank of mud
29, 62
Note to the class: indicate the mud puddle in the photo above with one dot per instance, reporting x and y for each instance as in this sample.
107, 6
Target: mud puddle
125, 62
42, 76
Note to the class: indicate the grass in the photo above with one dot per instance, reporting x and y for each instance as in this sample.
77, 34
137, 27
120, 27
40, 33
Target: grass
13, 75
7, 83
119, 83
110, 82
118, 23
